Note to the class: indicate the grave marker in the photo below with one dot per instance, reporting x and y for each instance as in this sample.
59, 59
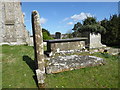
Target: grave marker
38, 48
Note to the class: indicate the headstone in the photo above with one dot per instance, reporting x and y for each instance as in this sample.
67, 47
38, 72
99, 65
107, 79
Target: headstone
93, 41
38, 48
57, 35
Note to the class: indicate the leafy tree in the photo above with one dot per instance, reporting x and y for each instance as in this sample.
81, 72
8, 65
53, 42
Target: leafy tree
89, 24
44, 30
76, 26
109, 29
46, 34
69, 35
89, 21
112, 35
76, 32
96, 28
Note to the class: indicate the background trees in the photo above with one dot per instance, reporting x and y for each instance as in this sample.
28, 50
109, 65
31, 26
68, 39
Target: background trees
112, 35
109, 29
46, 34
76, 28
89, 24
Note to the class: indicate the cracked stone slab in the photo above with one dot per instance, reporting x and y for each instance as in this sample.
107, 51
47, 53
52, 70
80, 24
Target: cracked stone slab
72, 62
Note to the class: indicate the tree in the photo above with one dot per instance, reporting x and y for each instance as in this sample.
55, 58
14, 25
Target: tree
44, 30
112, 35
89, 24
89, 21
76, 33
46, 34
76, 26
96, 28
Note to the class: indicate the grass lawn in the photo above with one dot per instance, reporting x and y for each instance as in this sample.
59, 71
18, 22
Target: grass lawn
18, 71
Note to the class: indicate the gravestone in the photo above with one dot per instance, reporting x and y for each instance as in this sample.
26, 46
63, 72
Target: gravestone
93, 41
38, 48
57, 35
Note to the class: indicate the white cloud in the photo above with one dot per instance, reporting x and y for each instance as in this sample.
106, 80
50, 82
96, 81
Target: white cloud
70, 23
80, 16
65, 19
77, 17
43, 20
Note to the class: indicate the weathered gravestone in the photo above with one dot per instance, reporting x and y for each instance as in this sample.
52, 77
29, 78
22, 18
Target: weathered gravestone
38, 48
57, 35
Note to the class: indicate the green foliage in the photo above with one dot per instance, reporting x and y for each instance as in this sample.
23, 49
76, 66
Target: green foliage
96, 28
76, 26
76, 33
112, 35
46, 37
69, 35
89, 21
109, 29
89, 24
44, 30
46, 34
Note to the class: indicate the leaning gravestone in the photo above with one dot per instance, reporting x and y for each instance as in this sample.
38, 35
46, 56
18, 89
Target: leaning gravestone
38, 48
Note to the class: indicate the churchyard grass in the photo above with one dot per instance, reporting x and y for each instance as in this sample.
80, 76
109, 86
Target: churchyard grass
105, 76
18, 66
16, 73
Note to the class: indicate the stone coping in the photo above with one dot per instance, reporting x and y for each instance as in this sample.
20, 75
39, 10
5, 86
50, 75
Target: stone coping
65, 40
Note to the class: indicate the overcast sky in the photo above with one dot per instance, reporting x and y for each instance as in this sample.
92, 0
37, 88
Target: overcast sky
61, 16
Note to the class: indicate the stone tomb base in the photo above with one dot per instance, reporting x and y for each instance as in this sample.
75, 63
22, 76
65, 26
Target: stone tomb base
66, 63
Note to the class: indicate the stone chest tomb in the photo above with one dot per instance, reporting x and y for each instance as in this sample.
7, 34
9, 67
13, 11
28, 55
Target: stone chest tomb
60, 45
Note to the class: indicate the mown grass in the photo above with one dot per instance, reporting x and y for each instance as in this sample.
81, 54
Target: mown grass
105, 76
18, 71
